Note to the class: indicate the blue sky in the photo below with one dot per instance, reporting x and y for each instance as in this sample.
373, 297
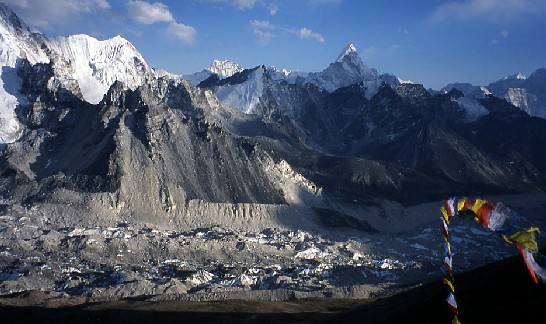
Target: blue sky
432, 42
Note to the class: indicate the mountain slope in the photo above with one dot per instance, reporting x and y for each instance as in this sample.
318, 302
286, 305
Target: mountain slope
96, 65
346, 70
81, 64
528, 94
17, 41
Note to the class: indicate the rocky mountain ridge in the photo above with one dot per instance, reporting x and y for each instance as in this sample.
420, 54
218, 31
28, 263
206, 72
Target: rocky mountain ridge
342, 153
528, 94
81, 64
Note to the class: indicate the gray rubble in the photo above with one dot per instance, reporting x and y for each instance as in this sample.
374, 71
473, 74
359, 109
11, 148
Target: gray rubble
127, 260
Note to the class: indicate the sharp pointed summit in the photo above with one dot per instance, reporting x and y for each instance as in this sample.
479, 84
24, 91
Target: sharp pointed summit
349, 50
118, 181
346, 70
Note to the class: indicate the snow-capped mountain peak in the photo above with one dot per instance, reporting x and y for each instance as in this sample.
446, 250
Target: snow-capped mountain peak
81, 64
17, 42
346, 70
349, 50
517, 76
402, 81
224, 68
352, 63
96, 64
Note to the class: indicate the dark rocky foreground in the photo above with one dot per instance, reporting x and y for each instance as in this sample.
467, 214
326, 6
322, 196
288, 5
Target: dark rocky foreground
500, 292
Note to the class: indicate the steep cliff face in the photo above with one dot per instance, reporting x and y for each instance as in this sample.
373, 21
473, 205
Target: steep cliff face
95, 122
80, 64
166, 148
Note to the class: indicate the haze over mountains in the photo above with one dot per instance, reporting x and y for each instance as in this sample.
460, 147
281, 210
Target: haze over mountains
97, 143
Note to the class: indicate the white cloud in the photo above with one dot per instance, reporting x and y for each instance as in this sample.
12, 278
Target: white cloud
263, 24
263, 30
263, 36
239, 4
273, 9
183, 32
491, 10
243, 4
503, 34
308, 33
49, 13
148, 13
103, 4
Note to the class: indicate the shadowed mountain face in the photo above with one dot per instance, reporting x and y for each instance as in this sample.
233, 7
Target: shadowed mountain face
118, 180
406, 126
173, 143
166, 139
139, 137
344, 135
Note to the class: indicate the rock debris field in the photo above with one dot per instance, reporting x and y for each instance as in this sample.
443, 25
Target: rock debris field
132, 260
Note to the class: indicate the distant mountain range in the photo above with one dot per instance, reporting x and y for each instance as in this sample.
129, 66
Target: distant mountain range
124, 179
345, 129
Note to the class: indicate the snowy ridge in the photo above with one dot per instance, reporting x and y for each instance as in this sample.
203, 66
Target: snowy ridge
526, 93
96, 65
243, 96
17, 42
529, 94
291, 77
224, 68
349, 50
517, 76
82, 64
348, 69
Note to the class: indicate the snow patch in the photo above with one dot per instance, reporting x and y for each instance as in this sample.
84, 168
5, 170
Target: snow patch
348, 50
244, 96
17, 42
224, 68
520, 98
96, 65
473, 109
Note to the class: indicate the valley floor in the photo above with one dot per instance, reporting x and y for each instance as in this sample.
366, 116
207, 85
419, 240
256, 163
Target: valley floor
500, 292
134, 272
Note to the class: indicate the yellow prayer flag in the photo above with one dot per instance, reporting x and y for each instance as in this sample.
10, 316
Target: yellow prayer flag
445, 213
525, 238
460, 204
477, 205
450, 284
